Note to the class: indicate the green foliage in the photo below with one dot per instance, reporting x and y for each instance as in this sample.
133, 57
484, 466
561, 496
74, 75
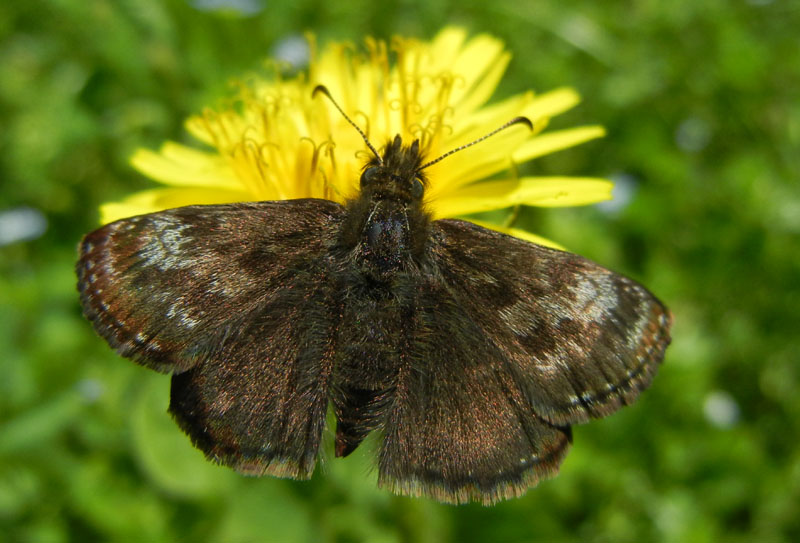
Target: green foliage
700, 101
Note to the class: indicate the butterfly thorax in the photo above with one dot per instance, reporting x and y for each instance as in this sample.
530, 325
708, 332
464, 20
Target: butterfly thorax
387, 227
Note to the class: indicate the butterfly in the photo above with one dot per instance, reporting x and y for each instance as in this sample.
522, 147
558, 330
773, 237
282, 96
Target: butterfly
471, 352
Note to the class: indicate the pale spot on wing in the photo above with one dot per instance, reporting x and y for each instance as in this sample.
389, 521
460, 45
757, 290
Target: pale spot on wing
160, 297
594, 295
549, 370
576, 313
232, 286
638, 328
164, 249
189, 322
518, 316
181, 313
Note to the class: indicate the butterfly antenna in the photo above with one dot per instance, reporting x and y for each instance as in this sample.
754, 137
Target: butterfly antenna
516, 120
324, 90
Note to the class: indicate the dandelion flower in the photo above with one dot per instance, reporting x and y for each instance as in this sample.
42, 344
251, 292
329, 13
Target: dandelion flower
275, 141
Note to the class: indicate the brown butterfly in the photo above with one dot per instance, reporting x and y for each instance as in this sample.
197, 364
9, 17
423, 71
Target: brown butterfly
470, 351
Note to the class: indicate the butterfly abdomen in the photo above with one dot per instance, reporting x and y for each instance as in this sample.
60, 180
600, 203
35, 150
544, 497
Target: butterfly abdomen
370, 349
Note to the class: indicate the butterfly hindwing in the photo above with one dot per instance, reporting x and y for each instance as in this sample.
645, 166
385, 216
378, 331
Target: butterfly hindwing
460, 428
232, 300
522, 341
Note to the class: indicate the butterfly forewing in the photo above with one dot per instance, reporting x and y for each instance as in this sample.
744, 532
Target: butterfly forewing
232, 299
581, 340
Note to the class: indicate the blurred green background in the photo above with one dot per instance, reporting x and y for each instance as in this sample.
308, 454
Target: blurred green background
700, 100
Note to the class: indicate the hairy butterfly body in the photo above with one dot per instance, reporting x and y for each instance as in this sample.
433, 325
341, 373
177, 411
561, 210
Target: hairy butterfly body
472, 352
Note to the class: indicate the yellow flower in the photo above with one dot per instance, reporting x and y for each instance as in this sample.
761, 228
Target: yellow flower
276, 142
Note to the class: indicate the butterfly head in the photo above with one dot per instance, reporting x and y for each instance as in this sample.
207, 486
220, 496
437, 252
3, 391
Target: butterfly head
395, 175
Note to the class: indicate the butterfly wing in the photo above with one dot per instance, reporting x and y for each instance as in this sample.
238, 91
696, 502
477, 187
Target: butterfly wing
512, 343
234, 301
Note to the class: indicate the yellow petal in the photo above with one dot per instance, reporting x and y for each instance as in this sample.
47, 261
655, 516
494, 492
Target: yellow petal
561, 191
477, 56
555, 141
180, 166
478, 163
551, 103
197, 126
490, 117
473, 199
450, 178
482, 65
532, 191
521, 234
446, 46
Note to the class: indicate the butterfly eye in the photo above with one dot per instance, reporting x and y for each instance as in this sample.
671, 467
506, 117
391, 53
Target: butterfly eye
369, 175
416, 188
